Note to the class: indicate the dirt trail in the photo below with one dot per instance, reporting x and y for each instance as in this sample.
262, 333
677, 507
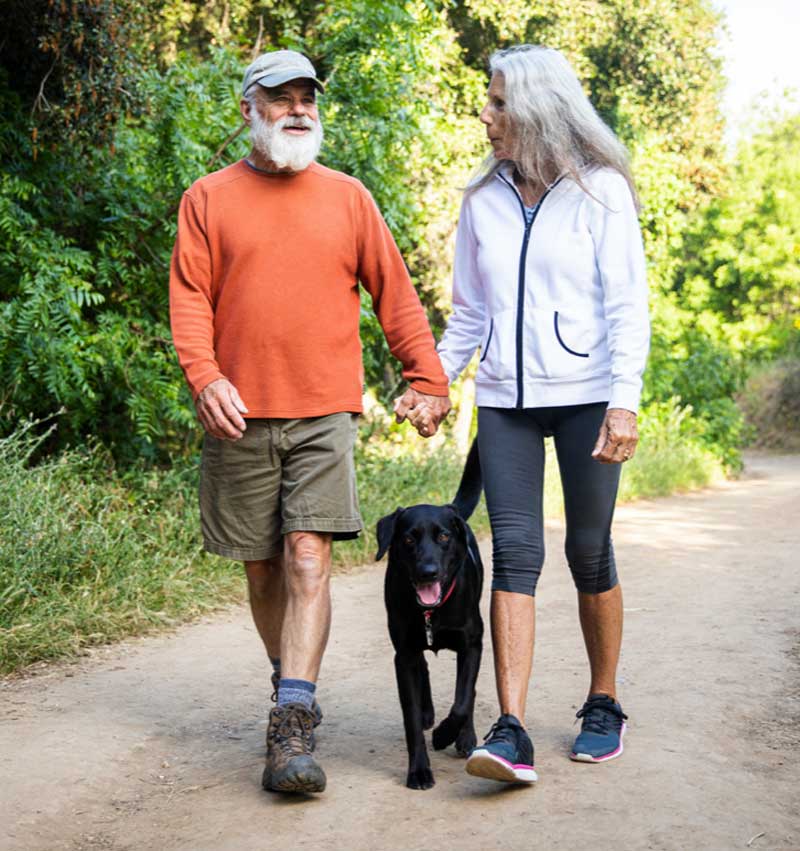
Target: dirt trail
157, 744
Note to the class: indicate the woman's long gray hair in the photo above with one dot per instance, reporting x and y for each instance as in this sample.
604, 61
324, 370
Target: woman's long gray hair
555, 129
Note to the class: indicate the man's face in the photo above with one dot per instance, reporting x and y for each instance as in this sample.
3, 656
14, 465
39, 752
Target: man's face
295, 98
284, 124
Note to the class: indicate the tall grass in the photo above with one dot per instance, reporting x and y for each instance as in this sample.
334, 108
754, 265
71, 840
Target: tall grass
89, 555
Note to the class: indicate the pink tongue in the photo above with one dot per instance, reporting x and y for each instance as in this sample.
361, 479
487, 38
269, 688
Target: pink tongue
429, 594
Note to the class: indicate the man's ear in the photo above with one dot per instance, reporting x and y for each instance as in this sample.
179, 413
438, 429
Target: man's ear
384, 532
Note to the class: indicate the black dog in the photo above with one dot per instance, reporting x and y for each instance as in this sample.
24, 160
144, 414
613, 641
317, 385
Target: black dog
433, 589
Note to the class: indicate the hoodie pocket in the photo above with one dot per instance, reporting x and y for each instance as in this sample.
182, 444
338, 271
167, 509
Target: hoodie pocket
561, 346
561, 340
498, 355
485, 347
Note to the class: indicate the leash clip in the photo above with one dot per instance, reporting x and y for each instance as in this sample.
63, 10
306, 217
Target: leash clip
428, 628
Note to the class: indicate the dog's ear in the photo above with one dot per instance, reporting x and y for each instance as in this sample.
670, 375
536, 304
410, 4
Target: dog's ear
458, 524
384, 532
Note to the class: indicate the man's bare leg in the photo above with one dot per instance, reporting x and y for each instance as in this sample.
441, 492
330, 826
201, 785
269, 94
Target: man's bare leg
307, 617
513, 619
601, 622
267, 590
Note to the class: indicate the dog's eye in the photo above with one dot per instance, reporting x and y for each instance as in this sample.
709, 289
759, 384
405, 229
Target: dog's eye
443, 537
408, 540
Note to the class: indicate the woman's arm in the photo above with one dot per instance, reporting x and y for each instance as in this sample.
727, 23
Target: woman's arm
614, 225
467, 324
621, 263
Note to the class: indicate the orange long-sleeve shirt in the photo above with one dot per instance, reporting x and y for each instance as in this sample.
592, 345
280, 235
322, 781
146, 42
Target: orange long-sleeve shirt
264, 291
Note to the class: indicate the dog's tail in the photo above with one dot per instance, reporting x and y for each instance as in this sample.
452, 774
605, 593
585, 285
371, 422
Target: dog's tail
471, 485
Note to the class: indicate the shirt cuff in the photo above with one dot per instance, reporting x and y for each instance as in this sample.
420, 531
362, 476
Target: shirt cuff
431, 388
625, 395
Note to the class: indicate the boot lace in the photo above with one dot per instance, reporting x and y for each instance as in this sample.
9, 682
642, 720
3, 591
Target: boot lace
293, 730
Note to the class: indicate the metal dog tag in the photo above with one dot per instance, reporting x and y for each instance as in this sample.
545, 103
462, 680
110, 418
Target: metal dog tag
428, 627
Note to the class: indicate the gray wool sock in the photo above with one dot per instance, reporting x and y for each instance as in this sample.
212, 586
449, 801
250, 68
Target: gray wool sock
296, 691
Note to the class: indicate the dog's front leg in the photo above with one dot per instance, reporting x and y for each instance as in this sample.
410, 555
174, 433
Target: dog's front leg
458, 727
409, 685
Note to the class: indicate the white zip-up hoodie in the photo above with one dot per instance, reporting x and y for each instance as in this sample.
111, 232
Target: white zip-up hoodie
558, 306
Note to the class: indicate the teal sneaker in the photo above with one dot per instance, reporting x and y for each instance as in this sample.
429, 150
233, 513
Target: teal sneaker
506, 755
602, 730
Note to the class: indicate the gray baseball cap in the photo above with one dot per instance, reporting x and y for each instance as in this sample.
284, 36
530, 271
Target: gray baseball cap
278, 67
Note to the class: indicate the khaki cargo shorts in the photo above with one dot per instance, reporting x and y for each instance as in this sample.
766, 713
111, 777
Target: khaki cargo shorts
281, 476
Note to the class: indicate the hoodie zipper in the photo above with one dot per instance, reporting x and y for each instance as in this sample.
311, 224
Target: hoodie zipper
521, 282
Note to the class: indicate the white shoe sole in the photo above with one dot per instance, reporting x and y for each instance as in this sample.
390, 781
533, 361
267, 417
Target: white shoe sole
482, 763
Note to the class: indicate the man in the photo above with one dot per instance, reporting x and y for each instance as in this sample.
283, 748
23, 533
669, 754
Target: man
265, 308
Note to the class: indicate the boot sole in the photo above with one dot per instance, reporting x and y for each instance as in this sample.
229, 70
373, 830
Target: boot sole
306, 782
482, 763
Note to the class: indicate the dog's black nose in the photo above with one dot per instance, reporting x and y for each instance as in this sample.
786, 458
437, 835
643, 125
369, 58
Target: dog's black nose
428, 571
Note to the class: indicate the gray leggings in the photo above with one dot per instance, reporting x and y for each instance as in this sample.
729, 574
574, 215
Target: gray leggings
511, 444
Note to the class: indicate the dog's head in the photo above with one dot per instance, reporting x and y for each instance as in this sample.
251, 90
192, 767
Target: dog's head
428, 542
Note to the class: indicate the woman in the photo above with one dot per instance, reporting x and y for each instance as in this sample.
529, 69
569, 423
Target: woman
549, 280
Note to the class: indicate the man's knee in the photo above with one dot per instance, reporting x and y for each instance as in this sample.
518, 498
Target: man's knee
307, 560
262, 575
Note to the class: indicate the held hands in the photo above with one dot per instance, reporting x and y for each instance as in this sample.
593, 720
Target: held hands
618, 437
220, 408
422, 411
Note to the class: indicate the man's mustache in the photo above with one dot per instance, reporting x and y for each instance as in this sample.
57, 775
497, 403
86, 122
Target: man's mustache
302, 121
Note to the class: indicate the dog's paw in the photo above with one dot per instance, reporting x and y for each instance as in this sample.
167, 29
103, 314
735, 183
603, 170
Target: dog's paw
445, 734
428, 717
466, 741
420, 778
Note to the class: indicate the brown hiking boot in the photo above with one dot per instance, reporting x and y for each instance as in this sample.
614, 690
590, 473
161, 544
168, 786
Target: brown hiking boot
290, 766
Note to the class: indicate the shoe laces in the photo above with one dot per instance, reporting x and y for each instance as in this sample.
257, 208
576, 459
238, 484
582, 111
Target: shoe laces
502, 731
601, 715
292, 730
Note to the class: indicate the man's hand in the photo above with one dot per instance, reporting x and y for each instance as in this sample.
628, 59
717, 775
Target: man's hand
618, 437
220, 408
422, 411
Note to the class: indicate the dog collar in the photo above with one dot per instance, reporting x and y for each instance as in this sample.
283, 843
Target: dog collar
427, 613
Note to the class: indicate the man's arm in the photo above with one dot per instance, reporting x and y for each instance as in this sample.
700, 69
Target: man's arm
218, 404
384, 275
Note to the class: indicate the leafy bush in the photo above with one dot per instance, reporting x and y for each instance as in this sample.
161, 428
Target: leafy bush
770, 401
672, 455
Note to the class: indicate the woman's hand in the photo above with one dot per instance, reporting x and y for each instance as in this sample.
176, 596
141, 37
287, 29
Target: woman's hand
422, 411
618, 437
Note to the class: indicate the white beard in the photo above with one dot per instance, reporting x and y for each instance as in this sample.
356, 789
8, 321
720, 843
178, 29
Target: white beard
294, 153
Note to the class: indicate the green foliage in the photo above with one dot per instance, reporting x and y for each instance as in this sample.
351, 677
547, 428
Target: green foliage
75, 66
148, 96
742, 255
673, 454
84, 258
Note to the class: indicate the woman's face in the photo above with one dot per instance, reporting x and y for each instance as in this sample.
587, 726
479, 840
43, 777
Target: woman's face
495, 117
